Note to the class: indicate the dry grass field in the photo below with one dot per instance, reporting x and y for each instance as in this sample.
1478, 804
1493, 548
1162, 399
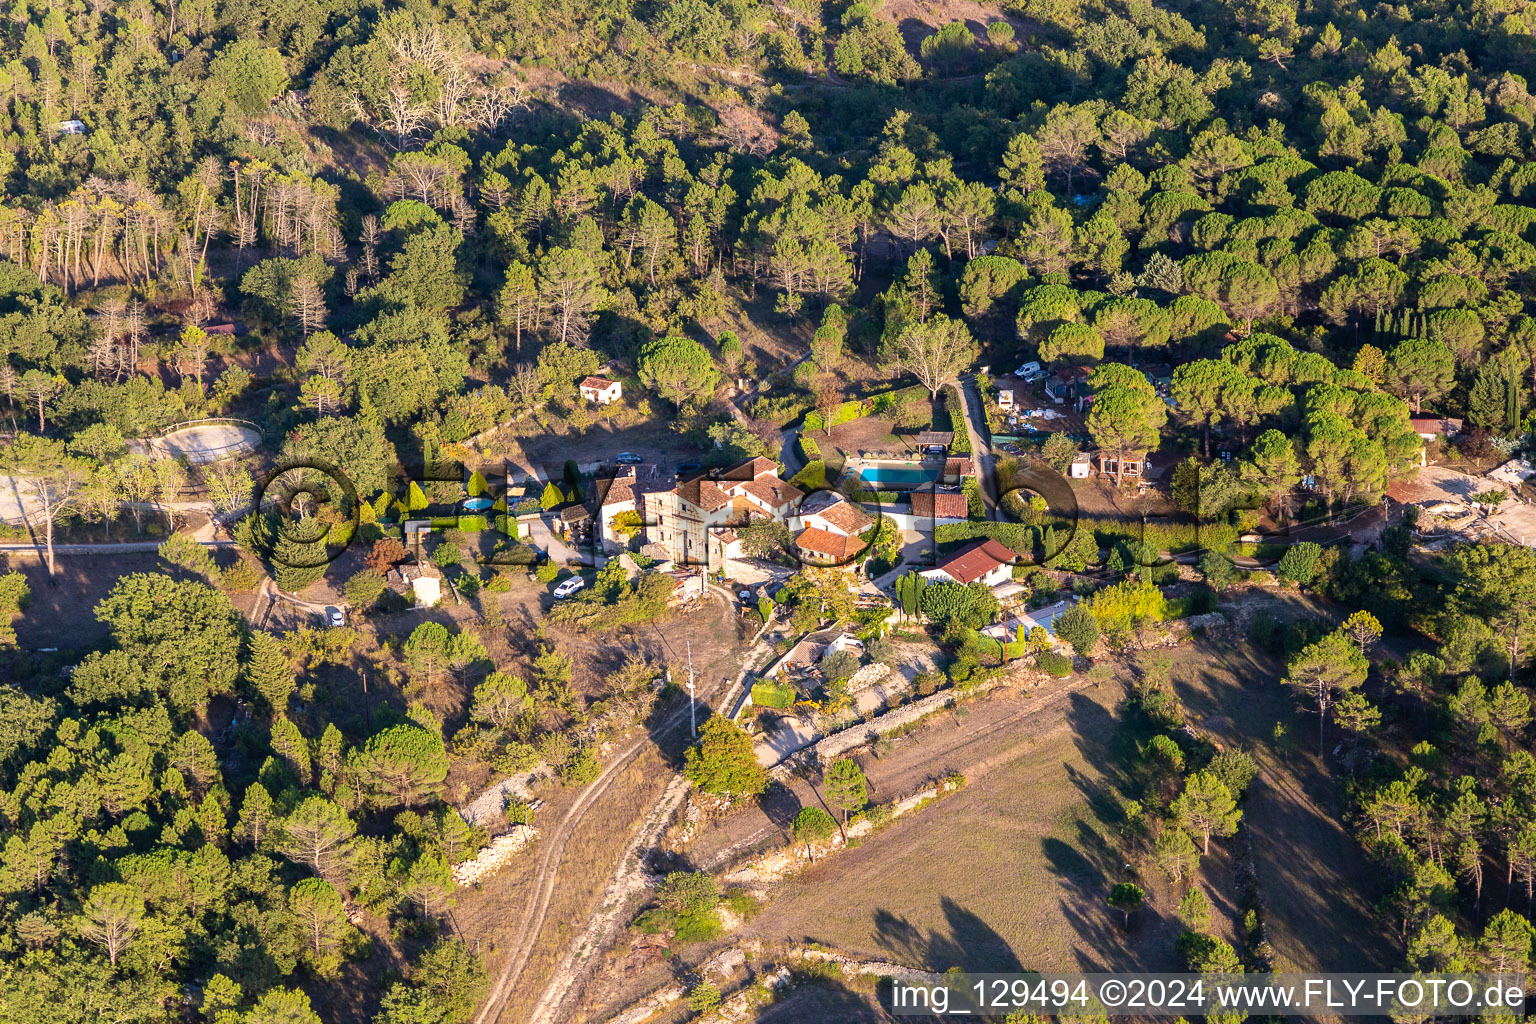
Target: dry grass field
1012, 872
1009, 874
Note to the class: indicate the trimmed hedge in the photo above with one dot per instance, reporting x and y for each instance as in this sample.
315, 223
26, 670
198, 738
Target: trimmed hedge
1016, 536
975, 507
773, 695
810, 451
961, 445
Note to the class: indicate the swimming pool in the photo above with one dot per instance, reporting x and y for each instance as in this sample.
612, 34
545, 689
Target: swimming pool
897, 476
477, 504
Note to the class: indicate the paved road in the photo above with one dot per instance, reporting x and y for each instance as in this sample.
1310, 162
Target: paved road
41, 550
981, 450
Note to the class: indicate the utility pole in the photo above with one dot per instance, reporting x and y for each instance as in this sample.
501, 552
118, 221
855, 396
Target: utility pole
693, 722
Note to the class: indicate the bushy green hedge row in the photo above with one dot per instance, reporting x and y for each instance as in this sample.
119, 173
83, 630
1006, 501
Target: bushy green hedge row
961, 445
810, 451
975, 507
1016, 536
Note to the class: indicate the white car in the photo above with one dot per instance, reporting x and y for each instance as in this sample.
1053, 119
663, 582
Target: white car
1027, 369
569, 587
335, 617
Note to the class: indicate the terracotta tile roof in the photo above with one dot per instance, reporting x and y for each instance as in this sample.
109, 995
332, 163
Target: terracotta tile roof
958, 466
818, 500
775, 492
619, 490
823, 542
970, 564
750, 469
846, 517
705, 494
601, 383
939, 505
1435, 424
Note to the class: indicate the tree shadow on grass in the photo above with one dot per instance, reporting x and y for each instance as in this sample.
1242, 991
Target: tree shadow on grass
967, 942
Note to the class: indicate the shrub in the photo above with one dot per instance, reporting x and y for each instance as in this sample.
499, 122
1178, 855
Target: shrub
547, 572
581, 768
1058, 665
839, 665
689, 892
242, 576
809, 449
812, 478
447, 555
975, 507
1299, 564
961, 445
773, 695
1078, 627
364, 589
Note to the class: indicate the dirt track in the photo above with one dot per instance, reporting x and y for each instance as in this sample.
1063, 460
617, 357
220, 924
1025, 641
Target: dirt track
553, 848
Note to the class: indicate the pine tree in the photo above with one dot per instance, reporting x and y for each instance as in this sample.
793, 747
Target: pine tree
1487, 401
268, 672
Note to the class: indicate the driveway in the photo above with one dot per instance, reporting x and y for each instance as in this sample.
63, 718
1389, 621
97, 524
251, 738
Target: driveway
981, 451
559, 552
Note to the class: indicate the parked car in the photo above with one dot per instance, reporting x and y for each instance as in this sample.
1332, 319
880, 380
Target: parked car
569, 587
1036, 376
935, 449
1027, 369
335, 617
628, 459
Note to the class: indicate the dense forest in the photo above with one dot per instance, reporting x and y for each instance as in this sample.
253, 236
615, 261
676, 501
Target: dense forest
429, 219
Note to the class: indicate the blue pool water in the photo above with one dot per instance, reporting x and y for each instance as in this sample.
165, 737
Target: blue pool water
898, 475
477, 504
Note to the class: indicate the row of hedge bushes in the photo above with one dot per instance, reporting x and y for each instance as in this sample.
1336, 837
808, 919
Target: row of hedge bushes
974, 506
953, 404
810, 451
1016, 536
